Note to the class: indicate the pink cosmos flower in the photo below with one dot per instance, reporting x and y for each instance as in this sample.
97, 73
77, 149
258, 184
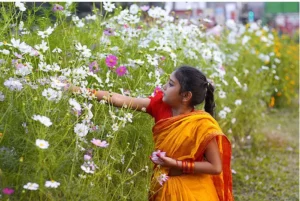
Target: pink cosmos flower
156, 90
19, 65
57, 7
34, 52
19, 56
162, 179
8, 191
99, 143
109, 32
87, 157
145, 7
14, 61
121, 70
94, 67
111, 60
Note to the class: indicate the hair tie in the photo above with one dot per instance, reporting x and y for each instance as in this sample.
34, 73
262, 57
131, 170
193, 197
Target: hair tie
210, 82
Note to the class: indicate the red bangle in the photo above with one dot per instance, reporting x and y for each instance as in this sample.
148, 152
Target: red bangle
92, 91
193, 167
188, 166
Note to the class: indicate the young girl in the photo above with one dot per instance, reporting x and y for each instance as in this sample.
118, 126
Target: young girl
197, 153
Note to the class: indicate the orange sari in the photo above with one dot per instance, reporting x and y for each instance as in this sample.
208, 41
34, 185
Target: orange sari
185, 137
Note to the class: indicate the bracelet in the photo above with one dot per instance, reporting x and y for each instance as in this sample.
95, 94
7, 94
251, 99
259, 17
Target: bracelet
92, 92
188, 166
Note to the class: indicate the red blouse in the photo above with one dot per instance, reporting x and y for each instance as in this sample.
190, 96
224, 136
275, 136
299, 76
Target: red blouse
157, 108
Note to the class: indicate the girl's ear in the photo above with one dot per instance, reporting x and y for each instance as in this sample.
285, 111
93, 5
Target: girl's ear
187, 96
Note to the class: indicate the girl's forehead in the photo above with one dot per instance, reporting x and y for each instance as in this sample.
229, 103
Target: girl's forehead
172, 76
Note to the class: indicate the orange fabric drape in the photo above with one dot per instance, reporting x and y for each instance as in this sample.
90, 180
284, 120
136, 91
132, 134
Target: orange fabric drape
185, 137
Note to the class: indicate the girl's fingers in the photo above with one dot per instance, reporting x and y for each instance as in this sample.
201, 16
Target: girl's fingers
152, 160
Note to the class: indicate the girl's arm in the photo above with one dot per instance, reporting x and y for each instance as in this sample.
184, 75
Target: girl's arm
212, 165
118, 100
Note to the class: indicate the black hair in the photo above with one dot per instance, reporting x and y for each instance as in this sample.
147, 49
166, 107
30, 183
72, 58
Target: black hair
193, 80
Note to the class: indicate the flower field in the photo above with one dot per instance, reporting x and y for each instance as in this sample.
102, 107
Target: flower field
55, 145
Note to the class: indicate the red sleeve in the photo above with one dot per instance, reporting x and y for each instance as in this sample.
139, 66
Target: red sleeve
157, 108
155, 102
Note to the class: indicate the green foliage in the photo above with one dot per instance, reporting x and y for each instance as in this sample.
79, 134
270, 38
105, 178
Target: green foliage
123, 168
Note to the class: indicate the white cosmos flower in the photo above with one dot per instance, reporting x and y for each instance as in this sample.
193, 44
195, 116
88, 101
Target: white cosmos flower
264, 58
264, 39
23, 47
231, 24
4, 51
31, 186
13, 84
43, 66
43, 46
43, 144
58, 50
128, 116
49, 30
52, 95
79, 24
258, 33
46, 33
207, 54
233, 120
130, 171
115, 127
152, 60
222, 94
264, 67
89, 17
20, 5
227, 109
75, 104
44, 120
245, 40
109, 7
157, 12
52, 184
134, 9
24, 70
81, 130
89, 167
85, 52
57, 84
238, 102
277, 60
232, 37
222, 114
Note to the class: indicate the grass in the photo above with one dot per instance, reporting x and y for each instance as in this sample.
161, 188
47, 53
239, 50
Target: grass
267, 166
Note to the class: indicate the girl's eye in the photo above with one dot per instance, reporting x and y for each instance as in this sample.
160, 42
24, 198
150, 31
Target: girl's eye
170, 84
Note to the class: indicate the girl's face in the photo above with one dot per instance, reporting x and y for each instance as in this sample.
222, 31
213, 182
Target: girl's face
171, 92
